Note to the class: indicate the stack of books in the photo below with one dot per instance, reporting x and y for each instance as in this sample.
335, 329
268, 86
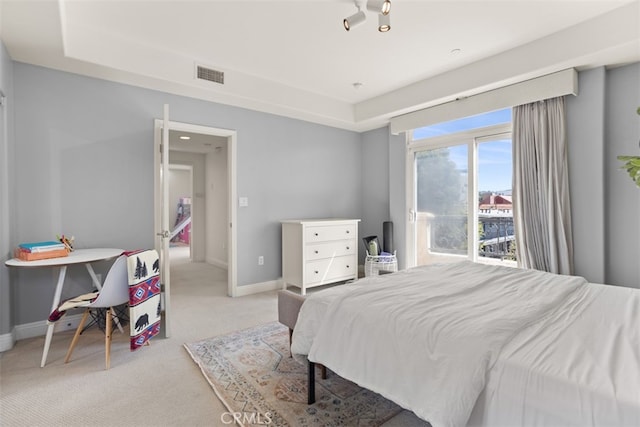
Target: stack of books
41, 250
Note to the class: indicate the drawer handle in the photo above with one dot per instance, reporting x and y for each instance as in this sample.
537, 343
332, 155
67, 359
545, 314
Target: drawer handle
315, 251
347, 247
347, 266
316, 271
347, 231
315, 234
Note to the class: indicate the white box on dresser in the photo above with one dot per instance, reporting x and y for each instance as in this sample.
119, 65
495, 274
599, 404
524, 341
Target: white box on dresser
317, 252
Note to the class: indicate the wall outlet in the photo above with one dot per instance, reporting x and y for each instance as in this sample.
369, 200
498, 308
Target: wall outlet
260, 260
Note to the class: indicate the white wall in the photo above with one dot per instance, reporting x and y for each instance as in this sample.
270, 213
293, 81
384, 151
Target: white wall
198, 206
217, 220
179, 188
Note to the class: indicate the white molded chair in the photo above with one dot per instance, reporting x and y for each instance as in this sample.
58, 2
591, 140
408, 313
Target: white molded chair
114, 292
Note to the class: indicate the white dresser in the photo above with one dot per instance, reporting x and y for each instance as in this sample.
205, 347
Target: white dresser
319, 251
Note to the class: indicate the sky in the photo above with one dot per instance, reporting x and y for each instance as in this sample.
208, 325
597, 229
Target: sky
494, 157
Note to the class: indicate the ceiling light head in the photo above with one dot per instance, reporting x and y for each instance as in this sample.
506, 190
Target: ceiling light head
354, 20
185, 138
384, 23
379, 6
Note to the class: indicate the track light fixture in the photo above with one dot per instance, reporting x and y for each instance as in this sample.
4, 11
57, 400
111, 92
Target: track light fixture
384, 22
354, 20
381, 7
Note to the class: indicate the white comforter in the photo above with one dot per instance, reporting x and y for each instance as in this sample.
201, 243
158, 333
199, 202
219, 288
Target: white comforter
427, 338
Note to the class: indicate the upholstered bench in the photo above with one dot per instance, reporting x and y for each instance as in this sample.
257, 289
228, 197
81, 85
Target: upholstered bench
289, 304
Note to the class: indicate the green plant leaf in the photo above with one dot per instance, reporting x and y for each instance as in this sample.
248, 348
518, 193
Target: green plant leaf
632, 166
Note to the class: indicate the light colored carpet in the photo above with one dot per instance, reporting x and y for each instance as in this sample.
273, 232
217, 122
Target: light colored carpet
157, 385
253, 374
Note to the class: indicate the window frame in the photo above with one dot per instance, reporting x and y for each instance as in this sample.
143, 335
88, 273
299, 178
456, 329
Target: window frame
472, 138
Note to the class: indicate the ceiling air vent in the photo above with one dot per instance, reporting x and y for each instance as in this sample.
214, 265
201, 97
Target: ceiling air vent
209, 74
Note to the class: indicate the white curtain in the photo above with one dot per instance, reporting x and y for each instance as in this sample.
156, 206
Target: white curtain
542, 212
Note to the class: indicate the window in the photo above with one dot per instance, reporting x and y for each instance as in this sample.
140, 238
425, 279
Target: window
460, 187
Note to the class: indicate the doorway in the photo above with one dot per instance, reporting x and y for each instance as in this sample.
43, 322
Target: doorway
206, 145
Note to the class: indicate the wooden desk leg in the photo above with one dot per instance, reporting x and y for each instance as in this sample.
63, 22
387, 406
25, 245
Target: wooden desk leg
56, 302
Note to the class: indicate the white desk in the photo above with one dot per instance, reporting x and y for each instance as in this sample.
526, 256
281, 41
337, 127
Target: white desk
78, 256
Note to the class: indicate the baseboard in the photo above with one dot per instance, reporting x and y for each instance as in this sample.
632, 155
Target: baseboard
7, 341
36, 329
256, 288
218, 263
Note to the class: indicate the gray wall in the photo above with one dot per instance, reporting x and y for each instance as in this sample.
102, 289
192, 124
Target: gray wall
383, 188
602, 124
6, 189
83, 165
622, 202
84, 152
375, 186
585, 131
397, 195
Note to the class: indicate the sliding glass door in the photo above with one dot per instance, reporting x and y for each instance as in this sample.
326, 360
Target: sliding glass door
441, 204
460, 188
496, 234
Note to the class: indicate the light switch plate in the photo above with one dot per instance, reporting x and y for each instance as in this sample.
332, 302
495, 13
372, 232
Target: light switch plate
243, 201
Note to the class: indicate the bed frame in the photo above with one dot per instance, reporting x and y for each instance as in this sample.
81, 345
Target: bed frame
289, 304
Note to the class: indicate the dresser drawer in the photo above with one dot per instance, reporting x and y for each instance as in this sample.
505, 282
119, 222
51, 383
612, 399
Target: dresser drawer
330, 249
328, 233
331, 269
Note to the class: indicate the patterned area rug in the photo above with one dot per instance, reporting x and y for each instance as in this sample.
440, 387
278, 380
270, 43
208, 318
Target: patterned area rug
253, 375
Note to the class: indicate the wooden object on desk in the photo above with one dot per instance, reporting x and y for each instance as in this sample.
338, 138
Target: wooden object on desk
317, 252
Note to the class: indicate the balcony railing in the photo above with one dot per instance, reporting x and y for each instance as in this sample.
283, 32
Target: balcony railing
441, 237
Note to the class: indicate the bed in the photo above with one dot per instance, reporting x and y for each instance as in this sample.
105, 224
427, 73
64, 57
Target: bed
471, 344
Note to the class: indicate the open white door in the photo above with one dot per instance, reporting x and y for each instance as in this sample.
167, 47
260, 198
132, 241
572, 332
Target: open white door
164, 235
162, 203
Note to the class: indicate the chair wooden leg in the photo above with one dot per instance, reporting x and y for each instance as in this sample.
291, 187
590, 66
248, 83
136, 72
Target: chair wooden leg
107, 338
77, 335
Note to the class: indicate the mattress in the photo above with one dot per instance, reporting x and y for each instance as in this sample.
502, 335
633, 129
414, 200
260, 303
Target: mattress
579, 367
586, 373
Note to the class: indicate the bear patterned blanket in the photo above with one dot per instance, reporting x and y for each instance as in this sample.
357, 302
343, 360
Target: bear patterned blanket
144, 296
